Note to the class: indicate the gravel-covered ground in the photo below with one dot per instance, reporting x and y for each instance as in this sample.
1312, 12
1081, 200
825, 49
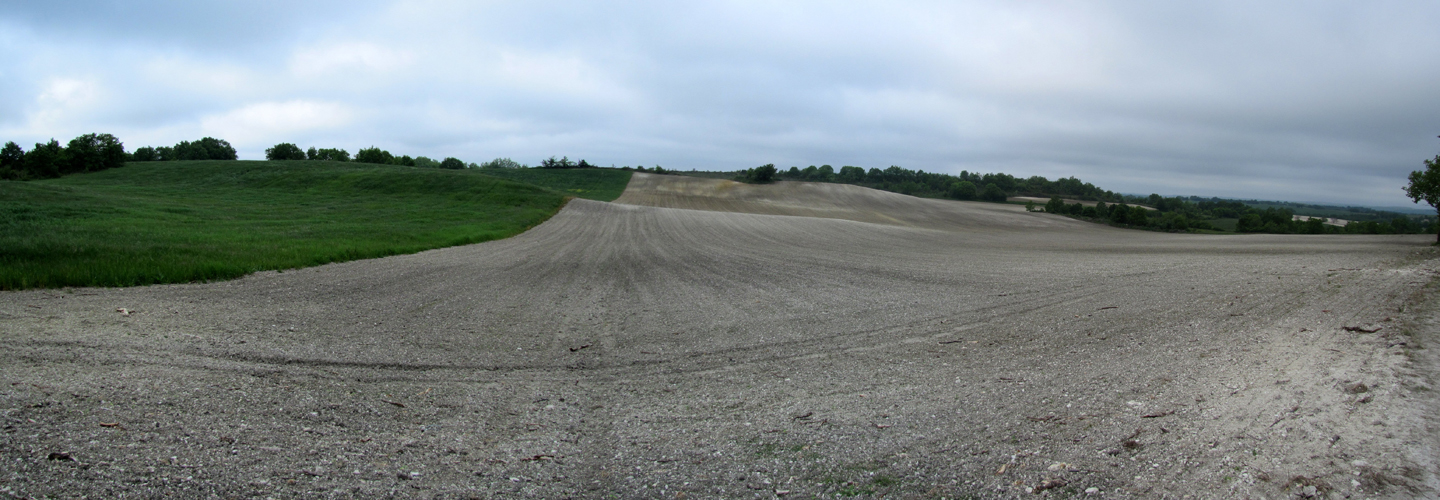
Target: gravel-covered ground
835, 341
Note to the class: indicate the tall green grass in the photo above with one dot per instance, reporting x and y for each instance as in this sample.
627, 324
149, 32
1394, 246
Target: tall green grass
172, 222
600, 184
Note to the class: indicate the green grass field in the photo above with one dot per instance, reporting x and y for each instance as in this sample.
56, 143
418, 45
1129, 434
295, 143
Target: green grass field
174, 222
600, 184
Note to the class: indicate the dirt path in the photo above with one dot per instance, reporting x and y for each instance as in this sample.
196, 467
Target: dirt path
889, 347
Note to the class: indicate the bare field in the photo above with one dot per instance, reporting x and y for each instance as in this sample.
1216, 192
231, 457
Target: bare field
705, 339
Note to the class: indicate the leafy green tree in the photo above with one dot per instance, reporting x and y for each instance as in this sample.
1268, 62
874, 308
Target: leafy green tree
208, 148
406, 161
502, 163
1139, 216
452, 164
826, 173
1119, 213
759, 175
1425, 186
145, 153
373, 154
93, 153
284, 151
563, 162
44, 160
165, 153
853, 175
993, 193
1315, 225
1101, 210
963, 190
422, 161
329, 154
1402, 225
1055, 205
1249, 223
12, 161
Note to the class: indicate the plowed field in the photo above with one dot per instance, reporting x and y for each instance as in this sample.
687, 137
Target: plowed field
700, 339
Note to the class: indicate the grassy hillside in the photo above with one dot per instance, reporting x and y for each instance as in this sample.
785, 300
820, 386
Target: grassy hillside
601, 184
169, 222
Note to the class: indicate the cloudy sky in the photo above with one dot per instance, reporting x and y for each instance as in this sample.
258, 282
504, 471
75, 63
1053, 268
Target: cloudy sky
1303, 101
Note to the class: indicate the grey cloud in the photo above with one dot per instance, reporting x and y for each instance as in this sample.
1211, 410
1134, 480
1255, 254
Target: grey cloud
1315, 101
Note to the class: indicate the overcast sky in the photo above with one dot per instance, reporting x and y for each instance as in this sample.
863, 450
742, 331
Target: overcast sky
1304, 101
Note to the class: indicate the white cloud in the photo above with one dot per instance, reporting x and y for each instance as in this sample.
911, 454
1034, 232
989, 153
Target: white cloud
264, 122
64, 103
349, 59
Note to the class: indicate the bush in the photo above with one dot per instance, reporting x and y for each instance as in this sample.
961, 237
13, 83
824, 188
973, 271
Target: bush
452, 164
284, 151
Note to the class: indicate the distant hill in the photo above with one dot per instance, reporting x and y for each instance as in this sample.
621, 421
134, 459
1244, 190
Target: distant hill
1333, 211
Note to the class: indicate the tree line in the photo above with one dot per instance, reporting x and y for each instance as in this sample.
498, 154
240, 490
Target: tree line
995, 187
290, 151
286, 151
208, 148
1122, 214
95, 152
1181, 214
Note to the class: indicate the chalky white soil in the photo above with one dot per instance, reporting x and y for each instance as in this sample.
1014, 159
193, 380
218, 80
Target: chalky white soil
705, 339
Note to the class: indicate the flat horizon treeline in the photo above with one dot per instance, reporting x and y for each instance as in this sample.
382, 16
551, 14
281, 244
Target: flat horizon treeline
1180, 214
372, 154
995, 187
47, 160
96, 152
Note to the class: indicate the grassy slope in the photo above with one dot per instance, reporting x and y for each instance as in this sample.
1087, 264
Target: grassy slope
169, 222
601, 184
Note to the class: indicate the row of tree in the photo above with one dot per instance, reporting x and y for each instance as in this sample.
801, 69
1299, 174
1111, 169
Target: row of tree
208, 148
1121, 214
965, 186
289, 151
87, 153
564, 162
1177, 214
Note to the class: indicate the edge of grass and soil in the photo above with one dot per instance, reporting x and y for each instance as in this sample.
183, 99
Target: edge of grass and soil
184, 221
